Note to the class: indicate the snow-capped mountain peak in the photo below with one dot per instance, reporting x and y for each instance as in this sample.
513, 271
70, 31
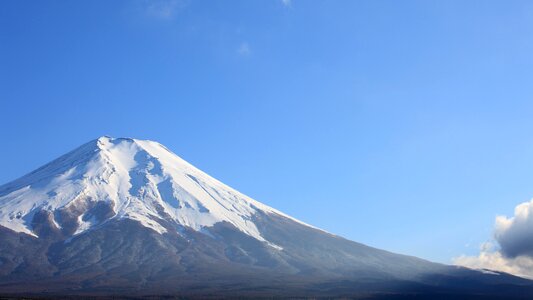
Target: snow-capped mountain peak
116, 178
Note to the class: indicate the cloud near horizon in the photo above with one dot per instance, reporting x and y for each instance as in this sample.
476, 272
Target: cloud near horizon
514, 250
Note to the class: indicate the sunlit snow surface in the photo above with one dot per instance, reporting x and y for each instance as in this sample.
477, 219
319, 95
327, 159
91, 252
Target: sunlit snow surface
137, 176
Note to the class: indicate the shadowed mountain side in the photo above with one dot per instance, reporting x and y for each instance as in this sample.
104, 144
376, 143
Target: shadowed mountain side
125, 258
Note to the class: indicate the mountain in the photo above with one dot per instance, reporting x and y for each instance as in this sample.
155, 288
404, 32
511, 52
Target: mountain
127, 217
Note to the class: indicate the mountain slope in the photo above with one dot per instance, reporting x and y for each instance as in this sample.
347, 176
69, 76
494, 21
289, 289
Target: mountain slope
128, 217
127, 178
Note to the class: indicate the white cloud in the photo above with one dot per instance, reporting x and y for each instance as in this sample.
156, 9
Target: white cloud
494, 260
164, 9
514, 251
515, 235
244, 49
287, 3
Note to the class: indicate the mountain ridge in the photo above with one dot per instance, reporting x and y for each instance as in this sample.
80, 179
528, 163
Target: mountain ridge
155, 173
128, 217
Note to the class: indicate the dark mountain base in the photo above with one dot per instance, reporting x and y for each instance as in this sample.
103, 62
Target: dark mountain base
236, 296
124, 260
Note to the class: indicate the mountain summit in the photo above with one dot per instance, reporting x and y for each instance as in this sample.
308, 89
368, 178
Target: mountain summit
112, 179
127, 217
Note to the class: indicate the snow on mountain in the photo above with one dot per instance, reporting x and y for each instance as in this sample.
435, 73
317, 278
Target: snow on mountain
140, 179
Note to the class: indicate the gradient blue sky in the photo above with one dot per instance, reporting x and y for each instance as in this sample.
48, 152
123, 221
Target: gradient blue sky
405, 125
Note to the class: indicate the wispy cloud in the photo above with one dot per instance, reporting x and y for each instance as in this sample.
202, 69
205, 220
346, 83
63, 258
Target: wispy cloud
244, 49
513, 252
164, 9
287, 3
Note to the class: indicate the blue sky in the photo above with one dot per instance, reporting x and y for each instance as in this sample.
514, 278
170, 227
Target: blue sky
405, 125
